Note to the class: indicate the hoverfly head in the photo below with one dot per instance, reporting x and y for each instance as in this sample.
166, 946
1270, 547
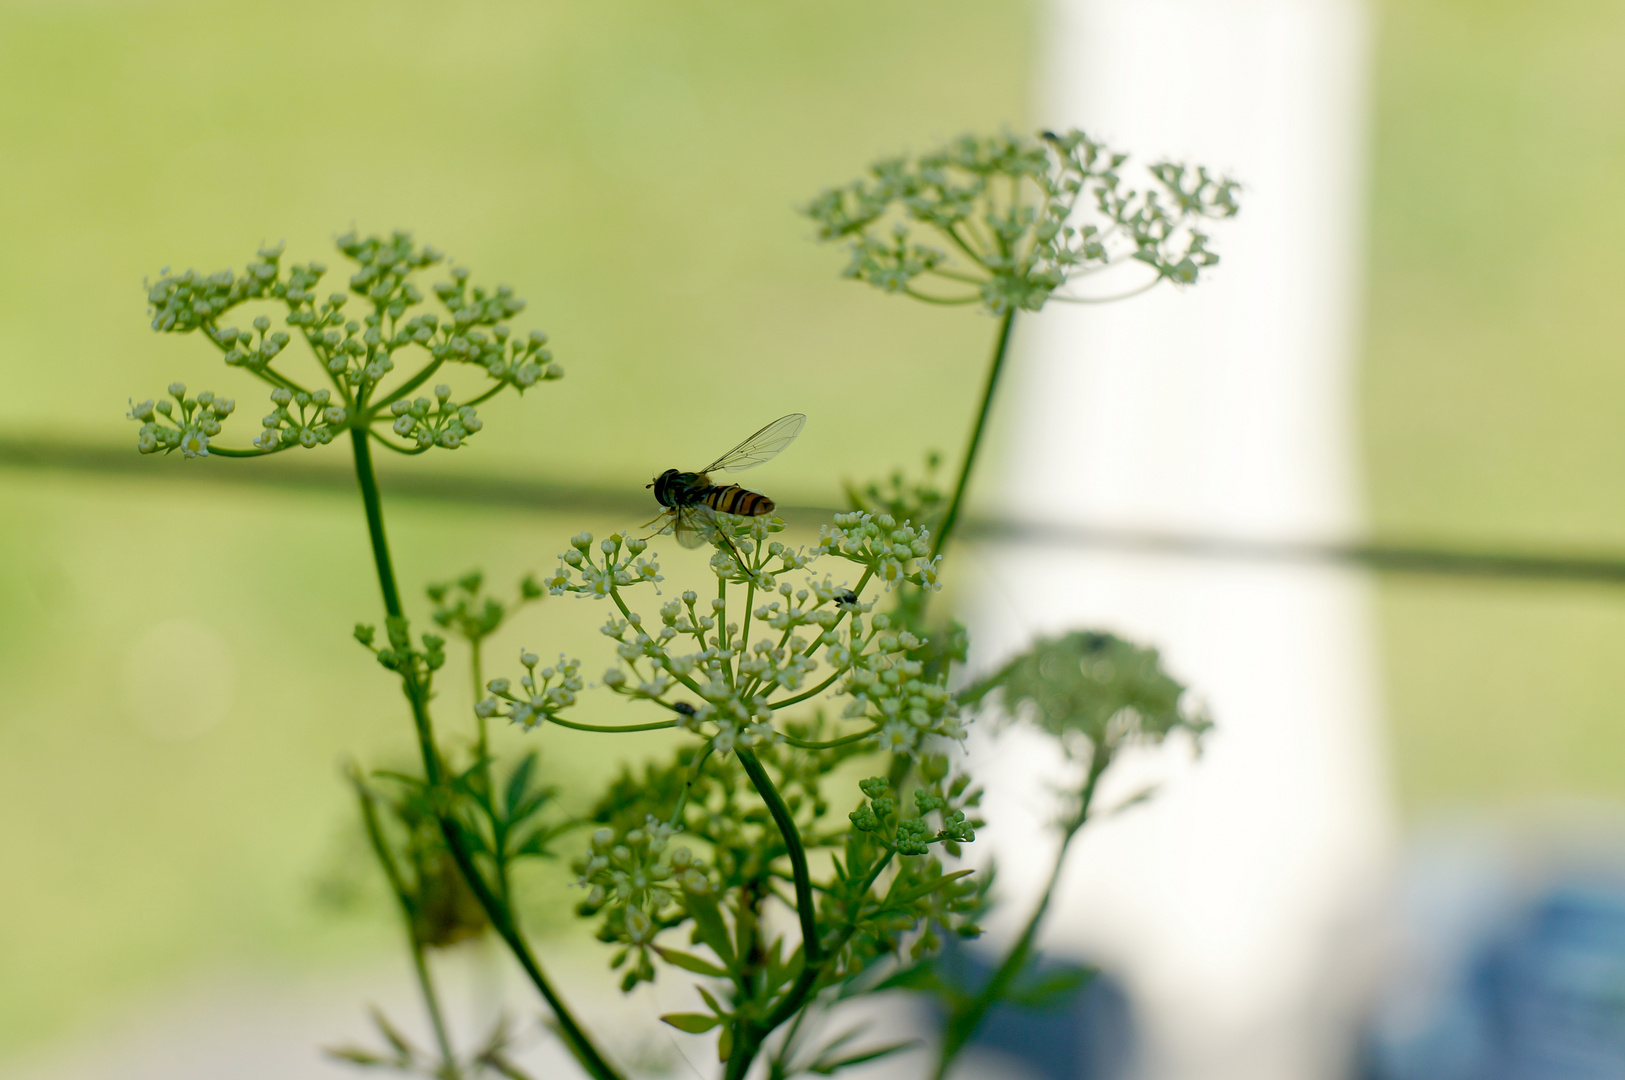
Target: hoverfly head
662, 485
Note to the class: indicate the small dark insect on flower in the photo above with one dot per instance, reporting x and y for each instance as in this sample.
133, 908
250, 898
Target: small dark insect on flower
846, 597
684, 707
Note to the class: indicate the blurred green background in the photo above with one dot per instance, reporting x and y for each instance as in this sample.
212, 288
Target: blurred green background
632, 170
1492, 385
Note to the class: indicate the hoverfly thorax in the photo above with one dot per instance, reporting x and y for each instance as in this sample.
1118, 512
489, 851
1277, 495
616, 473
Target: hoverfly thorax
674, 488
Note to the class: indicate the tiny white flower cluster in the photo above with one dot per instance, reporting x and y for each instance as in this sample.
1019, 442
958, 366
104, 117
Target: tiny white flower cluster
894, 551
747, 538
187, 425
357, 353
241, 349
736, 684
300, 419
601, 580
180, 303
518, 362
435, 423
1021, 217
739, 718
541, 694
889, 689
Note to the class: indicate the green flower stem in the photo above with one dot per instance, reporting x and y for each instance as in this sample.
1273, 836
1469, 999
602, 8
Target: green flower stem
409, 451
952, 275
722, 624
487, 396
368, 480
276, 378
748, 1041
968, 1018
1000, 350
227, 451
805, 909
688, 785
1136, 291
776, 1068
804, 695
945, 301
382, 404
797, 996
659, 725
420, 963
833, 743
752, 1035
744, 623
688, 681
959, 241
501, 919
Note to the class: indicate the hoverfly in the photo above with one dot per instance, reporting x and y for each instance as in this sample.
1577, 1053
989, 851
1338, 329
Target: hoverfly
692, 501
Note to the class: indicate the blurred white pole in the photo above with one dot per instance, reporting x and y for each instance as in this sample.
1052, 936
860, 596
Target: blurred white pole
1230, 904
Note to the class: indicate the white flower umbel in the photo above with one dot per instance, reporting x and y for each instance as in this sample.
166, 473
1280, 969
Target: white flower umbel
354, 356
703, 667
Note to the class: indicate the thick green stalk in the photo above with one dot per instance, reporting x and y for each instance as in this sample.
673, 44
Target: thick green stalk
375, 520
750, 1035
812, 949
1001, 349
964, 1021
501, 919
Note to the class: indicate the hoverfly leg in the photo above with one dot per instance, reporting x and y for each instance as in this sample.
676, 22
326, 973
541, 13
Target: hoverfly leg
739, 560
665, 525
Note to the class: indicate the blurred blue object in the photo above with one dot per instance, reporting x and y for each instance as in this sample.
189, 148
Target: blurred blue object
1090, 1035
1540, 995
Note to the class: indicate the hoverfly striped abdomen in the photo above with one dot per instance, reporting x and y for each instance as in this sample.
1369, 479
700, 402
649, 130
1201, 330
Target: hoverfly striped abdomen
733, 499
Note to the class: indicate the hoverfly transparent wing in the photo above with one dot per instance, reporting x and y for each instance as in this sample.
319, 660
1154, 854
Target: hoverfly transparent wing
762, 446
694, 526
